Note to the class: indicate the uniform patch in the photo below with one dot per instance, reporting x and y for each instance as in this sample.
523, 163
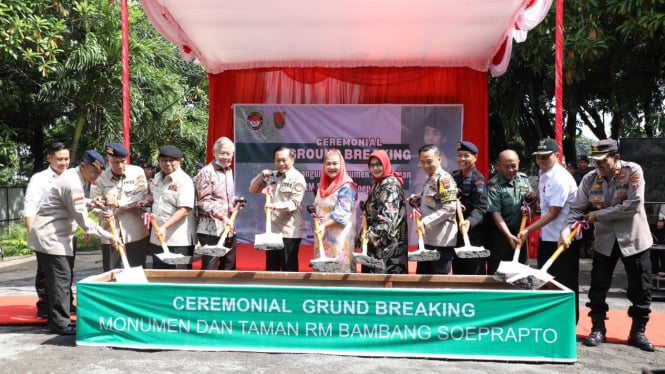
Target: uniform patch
595, 199
299, 187
140, 181
79, 199
173, 187
597, 186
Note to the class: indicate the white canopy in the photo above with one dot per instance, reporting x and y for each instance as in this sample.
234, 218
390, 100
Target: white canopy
241, 34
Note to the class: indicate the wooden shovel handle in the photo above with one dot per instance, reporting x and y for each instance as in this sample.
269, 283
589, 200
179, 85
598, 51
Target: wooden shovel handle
267, 210
420, 233
118, 246
460, 218
363, 238
562, 247
155, 227
316, 232
227, 228
522, 226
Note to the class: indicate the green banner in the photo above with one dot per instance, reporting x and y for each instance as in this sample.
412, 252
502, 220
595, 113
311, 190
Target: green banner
446, 323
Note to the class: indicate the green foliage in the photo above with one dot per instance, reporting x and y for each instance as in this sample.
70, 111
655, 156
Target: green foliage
14, 239
73, 93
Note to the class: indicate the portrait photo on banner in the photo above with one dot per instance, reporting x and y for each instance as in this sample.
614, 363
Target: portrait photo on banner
356, 130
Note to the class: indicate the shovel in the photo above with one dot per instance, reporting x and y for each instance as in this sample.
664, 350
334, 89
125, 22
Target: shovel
219, 250
508, 269
167, 256
533, 279
322, 263
468, 251
129, 274
363, 258
268, 240
422, 254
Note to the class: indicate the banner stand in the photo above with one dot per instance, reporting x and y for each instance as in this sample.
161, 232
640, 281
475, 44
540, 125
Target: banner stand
451, 317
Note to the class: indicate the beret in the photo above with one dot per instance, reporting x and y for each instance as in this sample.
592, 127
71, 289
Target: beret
116, 150
95, 159
170, 151
467, 146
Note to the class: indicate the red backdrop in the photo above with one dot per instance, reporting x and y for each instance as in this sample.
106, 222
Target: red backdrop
364, 85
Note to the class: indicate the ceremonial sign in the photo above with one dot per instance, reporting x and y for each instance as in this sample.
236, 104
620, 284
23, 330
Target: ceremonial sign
366, 321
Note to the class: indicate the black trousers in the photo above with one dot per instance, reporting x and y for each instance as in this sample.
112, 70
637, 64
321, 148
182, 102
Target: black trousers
566, 269
58, 276
135, 252
441, 266
638, 272
285, 259
42, 288
186, 250
501, 249
471, 266
227, 262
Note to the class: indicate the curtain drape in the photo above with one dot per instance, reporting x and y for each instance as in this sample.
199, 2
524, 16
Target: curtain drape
363, 85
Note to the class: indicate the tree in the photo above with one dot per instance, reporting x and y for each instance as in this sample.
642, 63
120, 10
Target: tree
613, 62
72, 93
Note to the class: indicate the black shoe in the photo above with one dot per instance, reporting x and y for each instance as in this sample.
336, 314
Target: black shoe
639, 340
42, 314
595, 338
67, 330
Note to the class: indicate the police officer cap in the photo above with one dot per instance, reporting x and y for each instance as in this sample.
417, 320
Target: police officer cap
146, 165
467, 146
200, 165
170, 151
116, 150
546, 147
602, 148
95, 159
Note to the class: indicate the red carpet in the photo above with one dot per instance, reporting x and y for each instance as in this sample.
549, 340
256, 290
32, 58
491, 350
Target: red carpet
618, 326
20, 310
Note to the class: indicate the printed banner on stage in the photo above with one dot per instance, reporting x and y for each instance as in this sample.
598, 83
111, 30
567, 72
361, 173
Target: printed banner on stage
445, 323
356, 130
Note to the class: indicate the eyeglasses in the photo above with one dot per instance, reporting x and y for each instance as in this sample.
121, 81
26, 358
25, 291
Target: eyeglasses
375, 165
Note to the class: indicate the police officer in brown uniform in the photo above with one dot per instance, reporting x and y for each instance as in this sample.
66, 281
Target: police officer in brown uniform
52, 235
288, 189
612, 198
120, 188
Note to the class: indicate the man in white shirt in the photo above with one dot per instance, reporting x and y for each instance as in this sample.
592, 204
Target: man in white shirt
57, 156
556, 190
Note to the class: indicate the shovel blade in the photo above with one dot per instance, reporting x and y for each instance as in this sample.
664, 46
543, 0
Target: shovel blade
131, 275
471, 252
268, 241
212, 250
508, 269
326, 265
174, 258
370, 262
532, 280
424, 255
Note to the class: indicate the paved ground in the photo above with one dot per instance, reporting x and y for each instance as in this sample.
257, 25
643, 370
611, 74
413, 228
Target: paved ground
31, 349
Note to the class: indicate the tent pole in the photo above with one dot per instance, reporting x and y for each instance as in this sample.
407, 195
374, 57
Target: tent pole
558, 81
125, 75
